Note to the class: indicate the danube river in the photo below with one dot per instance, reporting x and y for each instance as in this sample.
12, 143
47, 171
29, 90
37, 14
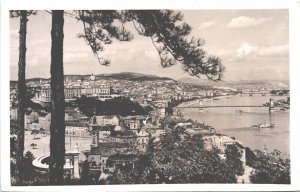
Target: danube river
237, 124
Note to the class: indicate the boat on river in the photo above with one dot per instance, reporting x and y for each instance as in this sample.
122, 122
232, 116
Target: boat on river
239, 112
264, 125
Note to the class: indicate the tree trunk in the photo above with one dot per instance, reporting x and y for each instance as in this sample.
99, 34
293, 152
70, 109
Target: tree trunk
21, 96
57, 127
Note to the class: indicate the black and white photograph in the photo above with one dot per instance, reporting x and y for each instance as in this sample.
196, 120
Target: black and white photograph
124, 97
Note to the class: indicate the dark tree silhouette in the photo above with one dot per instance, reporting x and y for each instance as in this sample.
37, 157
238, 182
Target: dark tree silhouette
57, 126
233, 159
28, 168
13, 149
21, 91
272, 168
117, 106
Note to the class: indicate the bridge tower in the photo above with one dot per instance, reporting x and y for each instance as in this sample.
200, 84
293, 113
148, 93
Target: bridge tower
271, 106
250, 92
201, 106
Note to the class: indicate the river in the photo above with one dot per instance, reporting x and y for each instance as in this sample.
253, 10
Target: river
239, 125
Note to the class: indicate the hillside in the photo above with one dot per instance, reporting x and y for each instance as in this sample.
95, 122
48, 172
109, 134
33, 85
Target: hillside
117, 76
131, 77
238, 84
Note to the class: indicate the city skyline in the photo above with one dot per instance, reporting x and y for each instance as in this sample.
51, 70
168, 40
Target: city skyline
143, 116
255, 38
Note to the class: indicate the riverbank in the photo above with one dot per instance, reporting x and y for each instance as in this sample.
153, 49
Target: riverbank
239, 125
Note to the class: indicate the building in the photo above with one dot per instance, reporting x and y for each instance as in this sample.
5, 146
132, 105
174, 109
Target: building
71, 162
133, 122
142, 140
76, 117
45, 95
222, 142
75, 90
105, 132
99, 156
107, 120
77, 129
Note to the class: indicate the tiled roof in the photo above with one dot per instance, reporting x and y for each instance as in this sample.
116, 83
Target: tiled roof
107, 149
77, 116
76, 124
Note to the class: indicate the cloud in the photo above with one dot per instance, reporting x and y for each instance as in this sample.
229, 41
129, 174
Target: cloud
249, 50
206, 25
244, 22
245, 49
282, 50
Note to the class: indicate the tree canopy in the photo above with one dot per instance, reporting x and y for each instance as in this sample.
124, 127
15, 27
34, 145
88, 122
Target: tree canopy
177, 157
233, 159
167, 30
271, 168
117, 106
183, 158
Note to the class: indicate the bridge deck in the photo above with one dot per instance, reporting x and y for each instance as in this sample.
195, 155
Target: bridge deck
215, 106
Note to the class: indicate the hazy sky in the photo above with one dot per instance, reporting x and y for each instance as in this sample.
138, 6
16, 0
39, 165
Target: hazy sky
253, 44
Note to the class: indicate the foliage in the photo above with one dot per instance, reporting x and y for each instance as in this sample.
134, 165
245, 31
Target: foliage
251, 158
178, 157
183, 158
140, 174
117, 106
166, 29
13, 146
16, 13
28, 169
38, 107
233, 159
271, 168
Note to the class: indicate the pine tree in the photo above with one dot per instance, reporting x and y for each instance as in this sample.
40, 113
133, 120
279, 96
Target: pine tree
57, 126
21, 97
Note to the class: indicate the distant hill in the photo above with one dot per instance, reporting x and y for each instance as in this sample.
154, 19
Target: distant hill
237, 84
131, 77
118, 76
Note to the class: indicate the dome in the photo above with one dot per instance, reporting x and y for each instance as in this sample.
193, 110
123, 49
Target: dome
92, 78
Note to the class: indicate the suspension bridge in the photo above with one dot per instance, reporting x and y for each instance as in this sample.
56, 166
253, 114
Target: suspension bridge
200, 105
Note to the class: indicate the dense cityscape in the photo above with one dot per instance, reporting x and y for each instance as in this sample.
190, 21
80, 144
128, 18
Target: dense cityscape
119, 97
111, 124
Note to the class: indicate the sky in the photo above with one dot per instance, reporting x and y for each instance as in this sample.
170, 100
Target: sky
252, 44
